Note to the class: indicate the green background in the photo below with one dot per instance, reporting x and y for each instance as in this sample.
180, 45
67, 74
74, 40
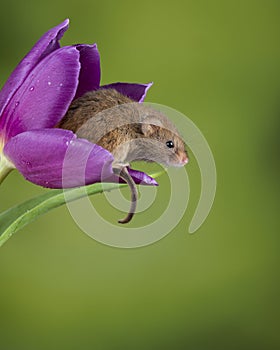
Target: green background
218, 63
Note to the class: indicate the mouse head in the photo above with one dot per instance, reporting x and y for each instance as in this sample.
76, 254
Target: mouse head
168, 147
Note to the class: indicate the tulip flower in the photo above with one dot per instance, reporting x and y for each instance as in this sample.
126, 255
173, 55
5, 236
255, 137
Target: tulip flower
36, 97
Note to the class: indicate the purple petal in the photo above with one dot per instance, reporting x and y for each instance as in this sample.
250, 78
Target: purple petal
142, 178
139, 177
136, 92
90, 69
47, 44
56, 158
44, 97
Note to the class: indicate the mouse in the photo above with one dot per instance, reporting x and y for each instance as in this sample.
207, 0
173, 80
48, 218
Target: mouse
130, 130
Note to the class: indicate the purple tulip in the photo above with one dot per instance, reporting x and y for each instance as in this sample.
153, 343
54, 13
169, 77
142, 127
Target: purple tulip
36, 97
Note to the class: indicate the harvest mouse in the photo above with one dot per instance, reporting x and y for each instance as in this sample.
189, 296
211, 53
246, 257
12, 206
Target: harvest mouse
129, 130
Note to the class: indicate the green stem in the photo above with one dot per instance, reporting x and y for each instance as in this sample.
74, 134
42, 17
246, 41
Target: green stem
5, 167
15, 218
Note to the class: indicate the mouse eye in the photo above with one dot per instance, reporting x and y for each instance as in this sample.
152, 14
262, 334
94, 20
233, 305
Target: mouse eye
170, 144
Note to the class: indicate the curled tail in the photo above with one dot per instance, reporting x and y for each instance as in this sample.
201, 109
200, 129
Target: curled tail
123, 173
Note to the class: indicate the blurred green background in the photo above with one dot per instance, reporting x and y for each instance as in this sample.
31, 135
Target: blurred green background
218, 63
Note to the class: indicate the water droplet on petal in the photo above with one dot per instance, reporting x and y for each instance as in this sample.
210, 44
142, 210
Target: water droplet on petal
61, 84
49, 83
17, 103
31, 88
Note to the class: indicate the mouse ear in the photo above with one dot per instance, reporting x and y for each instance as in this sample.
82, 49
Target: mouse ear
150, 125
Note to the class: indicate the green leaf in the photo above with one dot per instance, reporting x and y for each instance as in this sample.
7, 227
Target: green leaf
20, 215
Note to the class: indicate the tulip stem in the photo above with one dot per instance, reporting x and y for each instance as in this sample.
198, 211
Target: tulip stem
5, 167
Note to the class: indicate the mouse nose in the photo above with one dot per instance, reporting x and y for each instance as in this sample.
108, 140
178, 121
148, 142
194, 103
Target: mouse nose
184, 159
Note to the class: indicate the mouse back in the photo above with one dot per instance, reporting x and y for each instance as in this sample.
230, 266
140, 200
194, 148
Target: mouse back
129, 130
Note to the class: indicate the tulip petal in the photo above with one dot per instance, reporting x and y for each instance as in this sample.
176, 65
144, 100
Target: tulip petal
89, 78
56, 158
142, 178
139, 177
136, 92
45, 95
47, 44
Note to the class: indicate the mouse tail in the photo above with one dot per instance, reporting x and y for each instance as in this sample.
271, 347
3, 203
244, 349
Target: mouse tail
123, 174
